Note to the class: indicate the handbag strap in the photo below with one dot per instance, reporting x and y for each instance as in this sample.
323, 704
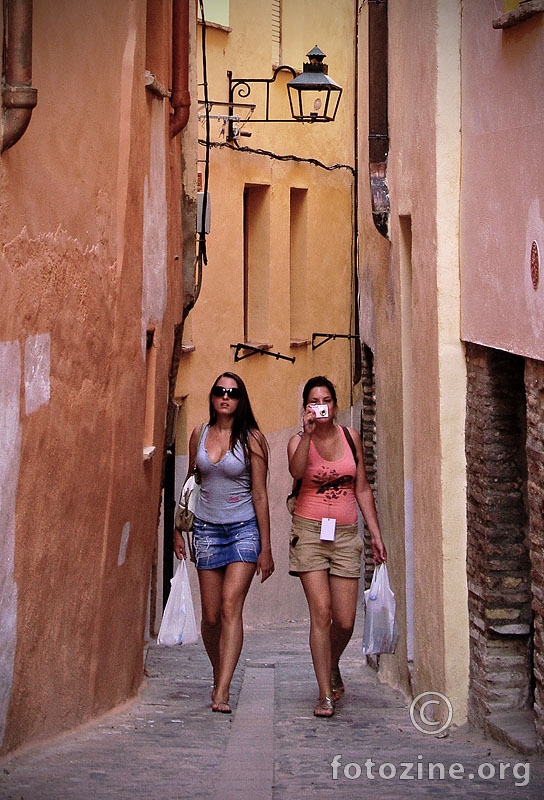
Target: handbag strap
195, 470
200, 435
350, 441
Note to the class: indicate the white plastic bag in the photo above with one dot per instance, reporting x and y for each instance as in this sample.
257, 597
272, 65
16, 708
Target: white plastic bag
380, 633
178, 624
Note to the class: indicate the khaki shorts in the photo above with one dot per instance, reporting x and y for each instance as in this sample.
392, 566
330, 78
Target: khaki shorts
308, 553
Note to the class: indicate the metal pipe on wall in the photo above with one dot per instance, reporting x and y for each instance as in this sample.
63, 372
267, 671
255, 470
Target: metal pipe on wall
19, 98
180, 99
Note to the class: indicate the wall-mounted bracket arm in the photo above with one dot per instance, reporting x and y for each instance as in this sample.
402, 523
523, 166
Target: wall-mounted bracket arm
253, 350
326, 337
241, 88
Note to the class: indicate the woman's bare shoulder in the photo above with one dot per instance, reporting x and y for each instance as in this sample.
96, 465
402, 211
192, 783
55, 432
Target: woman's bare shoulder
257, 440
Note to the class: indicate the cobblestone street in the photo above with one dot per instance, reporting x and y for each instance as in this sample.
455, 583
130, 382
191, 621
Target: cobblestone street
167, 744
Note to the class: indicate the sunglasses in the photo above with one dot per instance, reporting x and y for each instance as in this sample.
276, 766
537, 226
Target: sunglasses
233, 393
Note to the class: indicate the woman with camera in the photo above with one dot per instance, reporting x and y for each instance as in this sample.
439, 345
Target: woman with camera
325, 546
231, 531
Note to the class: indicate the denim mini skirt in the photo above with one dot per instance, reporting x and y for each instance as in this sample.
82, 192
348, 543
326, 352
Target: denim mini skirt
216, 545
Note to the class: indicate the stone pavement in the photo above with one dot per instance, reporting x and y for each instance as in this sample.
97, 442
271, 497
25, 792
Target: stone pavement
167, 744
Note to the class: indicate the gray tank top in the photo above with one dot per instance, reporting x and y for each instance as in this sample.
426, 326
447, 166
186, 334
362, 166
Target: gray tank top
225, 491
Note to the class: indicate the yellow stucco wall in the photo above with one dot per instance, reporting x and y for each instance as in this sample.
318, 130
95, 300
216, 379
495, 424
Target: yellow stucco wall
317, 163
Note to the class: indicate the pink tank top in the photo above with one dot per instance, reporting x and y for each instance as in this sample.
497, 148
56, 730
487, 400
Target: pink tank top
327, 488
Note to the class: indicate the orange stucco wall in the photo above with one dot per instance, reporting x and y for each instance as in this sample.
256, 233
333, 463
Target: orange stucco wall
87, 246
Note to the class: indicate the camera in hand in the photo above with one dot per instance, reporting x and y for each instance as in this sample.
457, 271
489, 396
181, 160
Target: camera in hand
321, 411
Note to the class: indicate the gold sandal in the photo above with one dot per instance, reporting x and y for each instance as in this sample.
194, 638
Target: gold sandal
337, 691
324, 707
337, 685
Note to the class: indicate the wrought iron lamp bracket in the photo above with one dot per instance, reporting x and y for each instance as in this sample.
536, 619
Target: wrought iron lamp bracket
240, 89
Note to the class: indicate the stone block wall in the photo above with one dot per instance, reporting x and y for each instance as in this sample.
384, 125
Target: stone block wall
534, 388
498, 565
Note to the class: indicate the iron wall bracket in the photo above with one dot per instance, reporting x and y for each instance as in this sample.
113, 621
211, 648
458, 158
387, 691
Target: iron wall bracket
253, 350
326, 337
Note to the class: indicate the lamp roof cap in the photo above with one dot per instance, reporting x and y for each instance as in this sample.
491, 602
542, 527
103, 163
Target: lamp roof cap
316, 53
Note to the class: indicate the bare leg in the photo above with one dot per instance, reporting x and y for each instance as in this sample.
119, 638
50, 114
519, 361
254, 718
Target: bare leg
211, 588
236, 582
316, 587
344, 592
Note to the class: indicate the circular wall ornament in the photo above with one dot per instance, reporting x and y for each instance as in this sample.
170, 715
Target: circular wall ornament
535, 265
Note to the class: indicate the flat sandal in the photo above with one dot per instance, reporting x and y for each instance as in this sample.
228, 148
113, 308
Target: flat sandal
324, 707
337, 691
337, 685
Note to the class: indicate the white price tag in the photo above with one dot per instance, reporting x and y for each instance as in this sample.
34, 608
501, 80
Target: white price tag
328, 528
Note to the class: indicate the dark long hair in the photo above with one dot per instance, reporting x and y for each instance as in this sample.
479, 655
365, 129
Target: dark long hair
244, 422
313, 383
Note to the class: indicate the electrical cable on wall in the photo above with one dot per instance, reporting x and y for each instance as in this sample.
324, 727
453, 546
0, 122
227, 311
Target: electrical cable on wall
277, 157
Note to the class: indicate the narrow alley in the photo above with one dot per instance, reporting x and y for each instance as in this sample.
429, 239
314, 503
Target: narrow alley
272, 192
167, 744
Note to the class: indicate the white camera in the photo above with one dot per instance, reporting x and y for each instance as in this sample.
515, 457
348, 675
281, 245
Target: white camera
321, 411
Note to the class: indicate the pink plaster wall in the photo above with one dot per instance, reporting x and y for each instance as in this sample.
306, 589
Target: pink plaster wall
81, 508
502, 199
411, 172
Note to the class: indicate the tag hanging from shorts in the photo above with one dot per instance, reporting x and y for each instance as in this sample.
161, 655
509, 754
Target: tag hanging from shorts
328, 529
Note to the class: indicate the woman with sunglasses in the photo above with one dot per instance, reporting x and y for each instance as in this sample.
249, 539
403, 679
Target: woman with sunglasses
325, 546
231, 532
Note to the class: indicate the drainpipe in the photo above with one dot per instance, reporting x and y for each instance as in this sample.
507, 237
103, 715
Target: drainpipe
378, 123
180, 99
18, 96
